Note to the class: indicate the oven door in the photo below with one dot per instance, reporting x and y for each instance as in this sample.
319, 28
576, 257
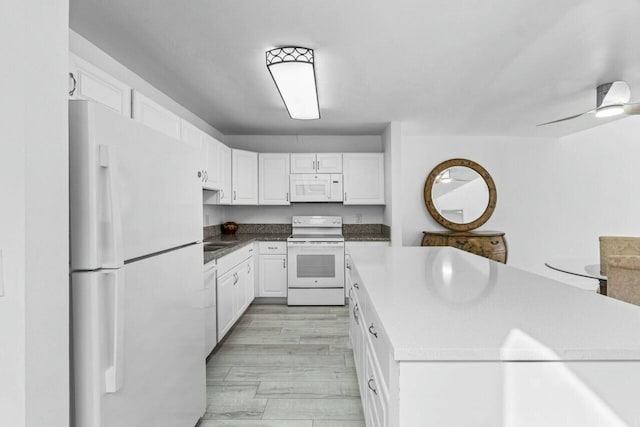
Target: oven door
316, 264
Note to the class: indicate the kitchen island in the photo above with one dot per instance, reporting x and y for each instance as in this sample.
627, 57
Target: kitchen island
446, 338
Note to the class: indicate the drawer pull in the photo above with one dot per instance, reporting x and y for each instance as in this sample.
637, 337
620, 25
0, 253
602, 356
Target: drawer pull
372, 331
355, 314
273, 248
459, 243
351, 292
371, 387
348, 266
495, 242
355, 285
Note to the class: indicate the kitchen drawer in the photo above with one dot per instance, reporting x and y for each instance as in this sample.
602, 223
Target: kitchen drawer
273, 248
375, 393
379, 340
229, 261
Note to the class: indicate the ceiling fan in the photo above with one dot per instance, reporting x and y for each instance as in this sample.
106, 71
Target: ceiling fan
611, 99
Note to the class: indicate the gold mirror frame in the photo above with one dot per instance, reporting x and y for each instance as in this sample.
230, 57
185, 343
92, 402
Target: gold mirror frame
428, 199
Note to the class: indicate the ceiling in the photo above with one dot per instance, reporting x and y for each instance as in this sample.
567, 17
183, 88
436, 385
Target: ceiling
491, 67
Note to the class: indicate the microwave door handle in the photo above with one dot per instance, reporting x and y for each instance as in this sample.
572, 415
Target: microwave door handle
108, 163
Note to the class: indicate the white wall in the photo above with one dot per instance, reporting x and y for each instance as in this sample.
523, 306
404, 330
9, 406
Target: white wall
34, 324
283, 214
212, 215
306, 143
555, 197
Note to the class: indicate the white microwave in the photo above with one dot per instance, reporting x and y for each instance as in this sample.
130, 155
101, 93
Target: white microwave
321, 187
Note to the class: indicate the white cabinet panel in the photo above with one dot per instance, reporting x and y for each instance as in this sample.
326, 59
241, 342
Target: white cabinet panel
272, 277
244, 171
363, 178
212, 181
273, 185
224, 166
329, 162
192, 136
210, 316
89, 82
316, 162
155, 116
225, 303
303, 162
247, 283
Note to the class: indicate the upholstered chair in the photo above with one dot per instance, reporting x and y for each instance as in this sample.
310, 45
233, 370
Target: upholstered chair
623, 278
617, 245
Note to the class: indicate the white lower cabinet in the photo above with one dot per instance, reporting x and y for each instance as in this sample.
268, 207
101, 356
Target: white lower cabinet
226, 306
272, 275
366, 337
210, 315
235, 287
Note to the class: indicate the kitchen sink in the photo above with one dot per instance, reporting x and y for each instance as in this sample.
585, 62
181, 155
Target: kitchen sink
215, 246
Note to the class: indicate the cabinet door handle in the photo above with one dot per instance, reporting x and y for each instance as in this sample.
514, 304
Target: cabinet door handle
235, 278
355, 285
221, 194
248, 268
350, 293
318, 165
200, 175
287, 196
314, 165
75, 84
284, 263
206, 176
235, 195
371, 380
372, 331
345, 196
348, 266
355, 314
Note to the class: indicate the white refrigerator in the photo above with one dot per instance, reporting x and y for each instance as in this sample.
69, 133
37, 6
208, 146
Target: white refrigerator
136, 274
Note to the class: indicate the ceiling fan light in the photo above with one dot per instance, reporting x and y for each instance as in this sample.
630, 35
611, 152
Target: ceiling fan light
609, 111
292, 69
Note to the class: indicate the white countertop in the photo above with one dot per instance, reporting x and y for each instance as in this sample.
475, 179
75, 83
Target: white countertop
446, 304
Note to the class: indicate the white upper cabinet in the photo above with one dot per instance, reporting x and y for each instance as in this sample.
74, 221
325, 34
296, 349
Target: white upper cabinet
244, 171
273, 184
303, 163
316, 163
212, 181
89, 82
192, 136
363, 178
155, 116
224, 173
329, 162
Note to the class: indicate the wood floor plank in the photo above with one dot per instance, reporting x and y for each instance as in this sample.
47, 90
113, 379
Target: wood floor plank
306, 323
284, 360
337, 423
231, 390
270, 349
307, 389
253, 373
322, 339
265, 339
316, 409
216, 373
292, 316
256, 423
325, 331
246, 409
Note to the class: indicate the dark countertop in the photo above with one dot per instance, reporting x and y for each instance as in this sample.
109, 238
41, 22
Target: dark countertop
241, 240
245, 238
366, 237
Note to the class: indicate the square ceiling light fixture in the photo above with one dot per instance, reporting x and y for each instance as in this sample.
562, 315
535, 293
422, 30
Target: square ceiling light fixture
292, 69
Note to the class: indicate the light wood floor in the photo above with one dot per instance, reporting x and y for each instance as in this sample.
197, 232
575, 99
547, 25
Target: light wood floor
285, 367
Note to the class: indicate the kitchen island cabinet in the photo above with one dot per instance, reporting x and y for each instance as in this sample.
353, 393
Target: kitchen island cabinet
444, 337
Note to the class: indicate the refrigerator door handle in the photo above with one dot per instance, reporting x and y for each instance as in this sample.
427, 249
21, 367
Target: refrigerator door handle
113, 375
115, 227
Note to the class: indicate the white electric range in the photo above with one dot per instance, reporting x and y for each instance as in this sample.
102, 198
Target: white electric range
315, 253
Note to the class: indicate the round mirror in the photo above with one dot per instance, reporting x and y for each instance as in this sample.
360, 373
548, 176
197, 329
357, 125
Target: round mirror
460, 194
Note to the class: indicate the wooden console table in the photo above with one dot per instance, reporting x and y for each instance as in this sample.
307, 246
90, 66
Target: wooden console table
488, 244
